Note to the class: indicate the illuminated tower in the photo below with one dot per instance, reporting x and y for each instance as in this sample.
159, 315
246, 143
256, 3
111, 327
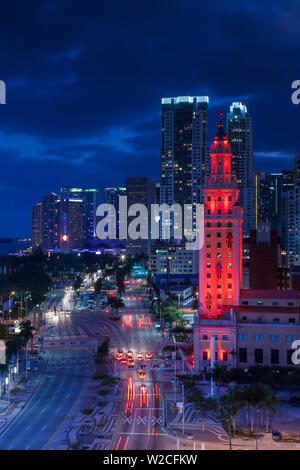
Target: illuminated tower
220, 259
221, 256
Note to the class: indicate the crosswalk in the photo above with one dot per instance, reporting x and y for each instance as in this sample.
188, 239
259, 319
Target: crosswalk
191, 416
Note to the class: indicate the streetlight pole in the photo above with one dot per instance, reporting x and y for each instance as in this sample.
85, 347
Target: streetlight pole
182, 408
9, 310
256, 443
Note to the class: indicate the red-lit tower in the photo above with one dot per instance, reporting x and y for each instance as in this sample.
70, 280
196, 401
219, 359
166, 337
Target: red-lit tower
221, 255
220, 263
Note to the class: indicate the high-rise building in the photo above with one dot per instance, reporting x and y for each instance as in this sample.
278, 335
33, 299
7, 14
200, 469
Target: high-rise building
240, 134
71, 223
140, 190
184, 151
37, 225
90, 202
50, 220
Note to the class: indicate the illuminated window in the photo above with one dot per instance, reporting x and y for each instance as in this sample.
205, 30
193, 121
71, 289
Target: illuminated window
229, 265
229, 255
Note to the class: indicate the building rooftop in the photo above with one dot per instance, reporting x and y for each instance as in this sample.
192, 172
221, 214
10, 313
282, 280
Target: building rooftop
269, 294
185, 99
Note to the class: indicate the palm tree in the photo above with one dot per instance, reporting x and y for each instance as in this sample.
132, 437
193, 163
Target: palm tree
116, 303
246, 397
26, 334
219, 374
269, 402
229, 406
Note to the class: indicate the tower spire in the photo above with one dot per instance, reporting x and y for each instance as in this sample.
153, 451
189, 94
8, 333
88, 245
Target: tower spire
221, 134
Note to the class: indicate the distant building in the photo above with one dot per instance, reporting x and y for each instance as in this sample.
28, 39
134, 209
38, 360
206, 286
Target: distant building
90, 202
240, 134
37, 225
293, 226
297, 169
171, 257
261, 199
71, 223
50, 218
140, 190
111, 196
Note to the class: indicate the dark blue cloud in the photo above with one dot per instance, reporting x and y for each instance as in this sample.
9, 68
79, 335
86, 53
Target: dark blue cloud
85, 80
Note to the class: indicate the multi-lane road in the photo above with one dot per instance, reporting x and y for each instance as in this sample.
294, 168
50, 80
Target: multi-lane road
69, 342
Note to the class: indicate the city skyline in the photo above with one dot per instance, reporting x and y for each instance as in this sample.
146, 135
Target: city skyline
60, 126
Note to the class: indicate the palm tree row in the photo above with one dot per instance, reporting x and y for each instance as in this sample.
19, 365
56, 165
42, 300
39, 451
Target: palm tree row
255, 399
14, 346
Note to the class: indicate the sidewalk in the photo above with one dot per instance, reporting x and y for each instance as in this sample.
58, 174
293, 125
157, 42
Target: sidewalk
12, 403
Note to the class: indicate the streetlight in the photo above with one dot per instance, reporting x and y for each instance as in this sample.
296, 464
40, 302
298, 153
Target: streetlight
9, 309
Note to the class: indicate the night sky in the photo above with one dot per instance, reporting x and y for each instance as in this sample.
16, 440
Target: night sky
85, 80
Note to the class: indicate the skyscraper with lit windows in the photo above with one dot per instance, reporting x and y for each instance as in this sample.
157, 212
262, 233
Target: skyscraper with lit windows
240, 134
184, 150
